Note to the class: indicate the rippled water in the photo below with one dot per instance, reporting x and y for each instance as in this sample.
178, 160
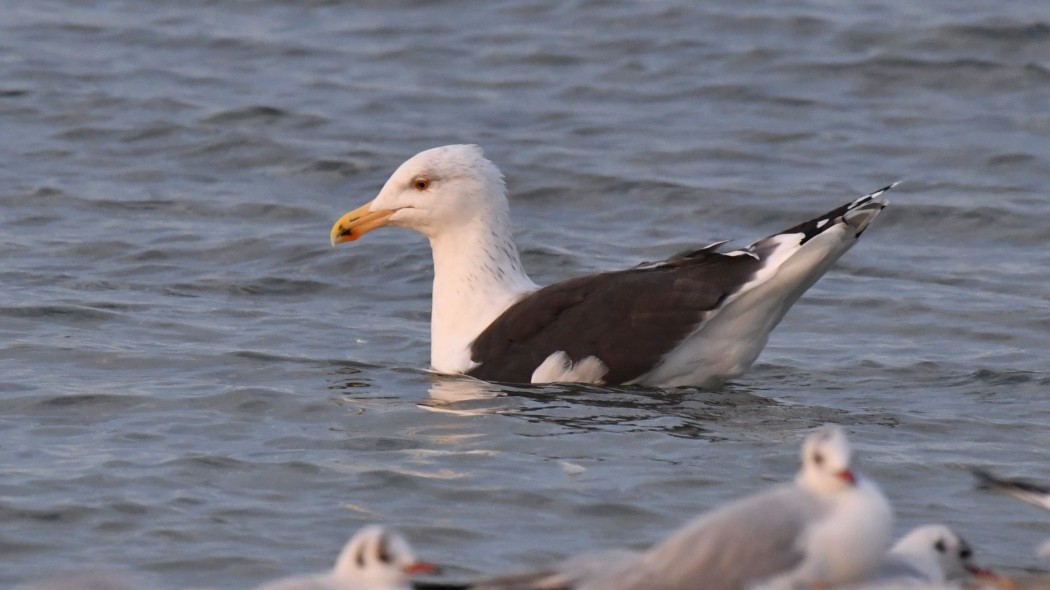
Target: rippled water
194, 386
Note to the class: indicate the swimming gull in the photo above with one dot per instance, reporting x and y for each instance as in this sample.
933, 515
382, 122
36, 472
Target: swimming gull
375, 558
697, 318
929, 554
830, 526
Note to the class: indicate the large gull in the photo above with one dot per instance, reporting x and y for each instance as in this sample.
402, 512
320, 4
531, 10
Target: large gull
697, 318
829, 527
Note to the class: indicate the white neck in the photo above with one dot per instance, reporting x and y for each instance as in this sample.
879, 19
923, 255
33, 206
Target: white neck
477, 275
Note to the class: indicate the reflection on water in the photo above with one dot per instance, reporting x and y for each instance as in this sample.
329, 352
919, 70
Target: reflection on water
682, 411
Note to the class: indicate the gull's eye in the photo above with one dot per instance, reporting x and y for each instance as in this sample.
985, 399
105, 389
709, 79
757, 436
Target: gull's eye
421, 183
940, 546
818, 458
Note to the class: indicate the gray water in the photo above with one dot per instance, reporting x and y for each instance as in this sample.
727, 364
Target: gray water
195, 387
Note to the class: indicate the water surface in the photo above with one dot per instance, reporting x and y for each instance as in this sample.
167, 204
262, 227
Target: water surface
194, 386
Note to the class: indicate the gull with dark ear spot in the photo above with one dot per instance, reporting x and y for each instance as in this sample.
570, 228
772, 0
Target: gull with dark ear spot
375, 558
696, 318
929, 554
831, 526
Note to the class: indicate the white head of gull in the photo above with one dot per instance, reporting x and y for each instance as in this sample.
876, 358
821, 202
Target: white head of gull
694, 319
457, 199
375, 558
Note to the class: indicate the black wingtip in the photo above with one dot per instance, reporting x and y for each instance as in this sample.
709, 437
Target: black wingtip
818, 225
888, 187
873, 195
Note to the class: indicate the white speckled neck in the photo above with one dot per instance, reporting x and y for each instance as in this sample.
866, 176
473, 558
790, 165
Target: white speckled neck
477, 275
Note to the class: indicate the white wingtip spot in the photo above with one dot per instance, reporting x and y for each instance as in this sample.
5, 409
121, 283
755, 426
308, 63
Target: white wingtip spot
741, 253
559, 368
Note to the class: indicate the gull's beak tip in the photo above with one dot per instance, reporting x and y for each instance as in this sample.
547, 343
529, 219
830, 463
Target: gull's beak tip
847, 476
422, 567
358, 222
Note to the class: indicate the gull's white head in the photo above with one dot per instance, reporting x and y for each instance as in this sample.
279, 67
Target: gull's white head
939, 553
440, 189
826, 461
378, 557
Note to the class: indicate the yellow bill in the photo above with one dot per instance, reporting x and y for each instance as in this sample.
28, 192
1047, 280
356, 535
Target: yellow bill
358, 222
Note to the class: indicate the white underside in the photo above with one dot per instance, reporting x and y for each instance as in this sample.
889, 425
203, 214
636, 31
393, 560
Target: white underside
729, 342
835, 553
471, 292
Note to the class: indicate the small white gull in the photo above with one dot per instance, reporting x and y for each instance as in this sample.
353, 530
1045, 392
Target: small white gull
831, 526
929, 554
697, 318
375, 558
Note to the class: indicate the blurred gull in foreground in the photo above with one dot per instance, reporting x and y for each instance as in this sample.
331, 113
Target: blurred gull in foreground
375, 558
831, 526
930, 555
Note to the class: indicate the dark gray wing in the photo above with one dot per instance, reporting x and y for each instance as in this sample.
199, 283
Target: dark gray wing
628, 319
